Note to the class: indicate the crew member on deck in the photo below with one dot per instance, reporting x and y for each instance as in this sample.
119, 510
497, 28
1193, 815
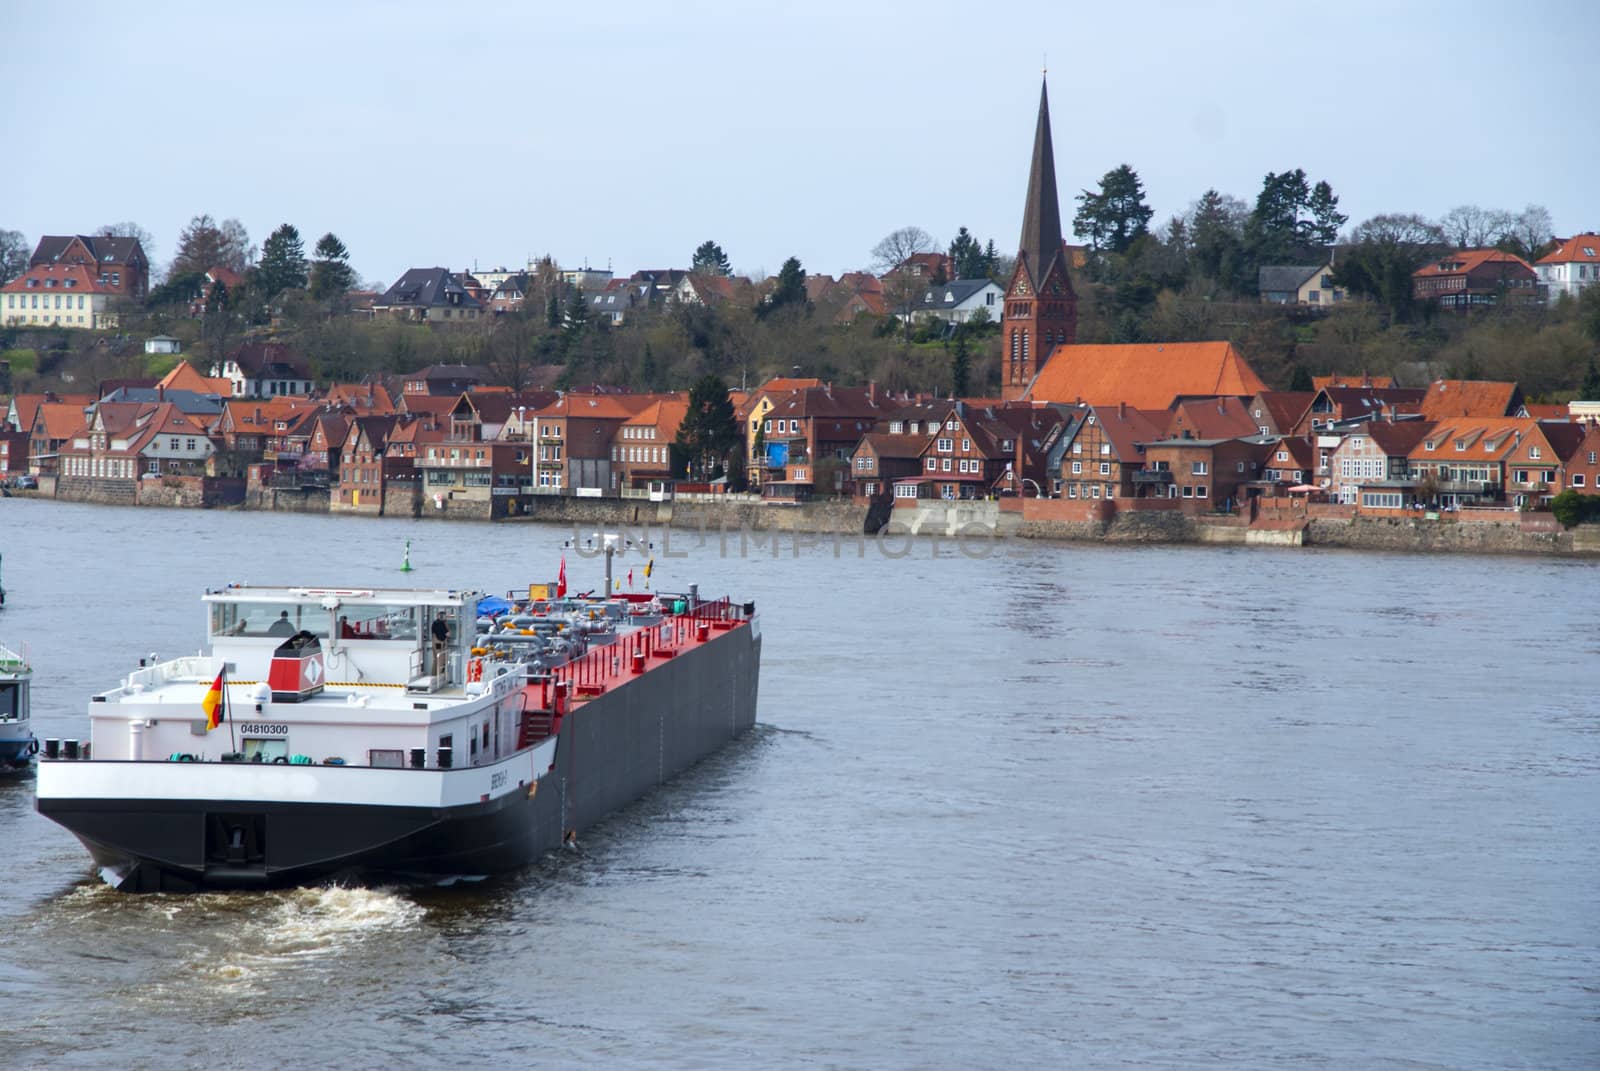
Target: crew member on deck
281, 627
441, 642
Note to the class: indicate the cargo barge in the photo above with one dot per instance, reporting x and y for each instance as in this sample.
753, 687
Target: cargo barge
371, 735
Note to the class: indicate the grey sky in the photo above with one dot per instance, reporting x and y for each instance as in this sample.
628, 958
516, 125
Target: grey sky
628, 133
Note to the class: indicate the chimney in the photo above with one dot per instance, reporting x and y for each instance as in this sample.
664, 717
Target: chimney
872, 391
161, 393
1122, 410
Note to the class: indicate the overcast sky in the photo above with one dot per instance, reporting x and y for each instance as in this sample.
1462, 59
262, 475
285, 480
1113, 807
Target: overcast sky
625, 134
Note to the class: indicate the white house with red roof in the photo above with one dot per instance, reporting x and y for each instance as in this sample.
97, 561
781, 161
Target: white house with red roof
1571, 266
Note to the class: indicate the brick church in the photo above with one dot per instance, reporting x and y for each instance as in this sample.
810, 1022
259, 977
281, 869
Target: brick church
1041, 310
1041, 358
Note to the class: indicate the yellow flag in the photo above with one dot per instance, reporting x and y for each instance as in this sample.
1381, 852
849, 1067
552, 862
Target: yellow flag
212, 703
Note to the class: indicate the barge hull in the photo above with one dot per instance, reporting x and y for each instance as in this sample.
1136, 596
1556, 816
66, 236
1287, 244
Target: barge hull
611, 749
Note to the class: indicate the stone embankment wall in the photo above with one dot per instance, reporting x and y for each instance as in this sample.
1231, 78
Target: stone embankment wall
1277, 522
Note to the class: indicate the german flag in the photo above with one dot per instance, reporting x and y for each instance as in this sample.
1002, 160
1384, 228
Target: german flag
212, 703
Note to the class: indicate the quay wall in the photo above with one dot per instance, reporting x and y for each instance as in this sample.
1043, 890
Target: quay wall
1272, 522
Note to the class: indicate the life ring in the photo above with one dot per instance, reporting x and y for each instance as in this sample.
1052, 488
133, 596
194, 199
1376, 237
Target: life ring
474, 670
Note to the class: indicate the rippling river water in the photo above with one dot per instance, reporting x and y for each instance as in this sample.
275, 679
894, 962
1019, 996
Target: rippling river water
1049, 806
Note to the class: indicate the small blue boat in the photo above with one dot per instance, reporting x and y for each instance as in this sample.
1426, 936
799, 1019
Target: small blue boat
17, 745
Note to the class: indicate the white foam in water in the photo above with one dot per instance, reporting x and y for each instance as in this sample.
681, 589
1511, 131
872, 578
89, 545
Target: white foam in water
315, 921
294, 927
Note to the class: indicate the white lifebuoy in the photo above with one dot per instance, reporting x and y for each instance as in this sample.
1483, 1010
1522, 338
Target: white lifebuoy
474, 670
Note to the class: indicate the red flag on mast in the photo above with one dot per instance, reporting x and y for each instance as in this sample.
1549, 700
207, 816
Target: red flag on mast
561, 579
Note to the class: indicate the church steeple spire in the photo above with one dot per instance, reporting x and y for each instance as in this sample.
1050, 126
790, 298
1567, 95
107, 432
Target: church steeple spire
1041, 213
1041, 309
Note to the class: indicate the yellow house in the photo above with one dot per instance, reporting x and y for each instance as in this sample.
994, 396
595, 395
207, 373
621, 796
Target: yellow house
1308, 285
57, 295
756, 408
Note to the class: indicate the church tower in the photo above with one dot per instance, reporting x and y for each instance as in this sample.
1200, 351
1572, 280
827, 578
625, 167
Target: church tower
1041, 310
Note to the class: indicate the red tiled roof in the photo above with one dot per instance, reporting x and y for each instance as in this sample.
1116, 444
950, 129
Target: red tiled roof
1579, 249
61, 419
1483, 438
1126, 427
885, 444
1286, 407
1220, 418
71, 278
1150, 376
1462, 261
1469, 398
1398, 439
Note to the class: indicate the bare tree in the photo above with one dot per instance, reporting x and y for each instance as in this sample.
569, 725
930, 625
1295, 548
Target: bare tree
899, 246
206, 244
13, 255
129, 229
1530, 231
901, 285
1472, 227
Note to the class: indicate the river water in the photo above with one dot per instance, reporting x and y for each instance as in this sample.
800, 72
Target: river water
1009, 805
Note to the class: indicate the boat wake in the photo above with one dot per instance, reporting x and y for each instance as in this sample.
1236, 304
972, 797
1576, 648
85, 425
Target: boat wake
293, 928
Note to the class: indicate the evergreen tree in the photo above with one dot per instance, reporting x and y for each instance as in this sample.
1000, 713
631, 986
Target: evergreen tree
967, 254
331, 274
790, 290
1216, 237
1293, 222
961, 364
1322, 229
283, 262
552, 309
1301, 379
709, 259
709, 432
576, 320
1115, 217
991, 259
1590, 390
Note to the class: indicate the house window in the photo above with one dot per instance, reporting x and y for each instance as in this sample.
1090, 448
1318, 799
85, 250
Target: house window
1077, 468
933, 464
1105, 468
1200, 491
1095, 488
1198, 468
1077, 448
1188, 492
1105, 449
966, 446
1577, 479
946, 465
946, 445
1241, 466
1072, 490
1533, 453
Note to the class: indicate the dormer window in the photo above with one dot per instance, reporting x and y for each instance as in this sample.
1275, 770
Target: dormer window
1588, 250
1461, 444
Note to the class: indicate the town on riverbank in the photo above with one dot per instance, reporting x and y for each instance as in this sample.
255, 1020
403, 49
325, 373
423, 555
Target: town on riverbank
1140, 440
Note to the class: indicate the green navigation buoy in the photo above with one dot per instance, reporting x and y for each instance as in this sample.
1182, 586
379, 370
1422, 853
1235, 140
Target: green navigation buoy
405, 566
